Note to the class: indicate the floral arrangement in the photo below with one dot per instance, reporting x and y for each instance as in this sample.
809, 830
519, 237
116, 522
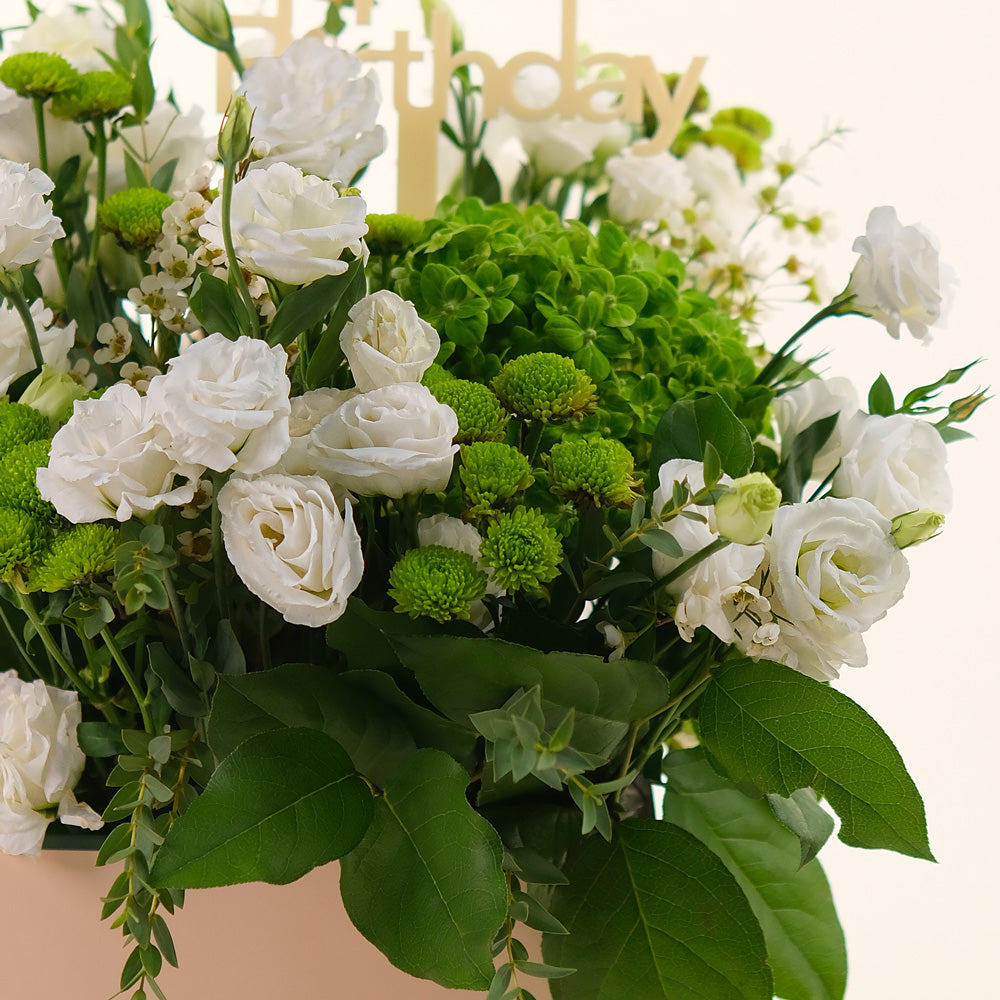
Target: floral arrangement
487, 553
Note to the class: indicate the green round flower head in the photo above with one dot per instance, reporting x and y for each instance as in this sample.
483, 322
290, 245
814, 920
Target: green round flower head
135, 216
521, 548
393, 233
76, 555
491, 473
20, 424
436, 582
435, 375
597, 472
94, 96
37, 74
22, 542
480, 415
545, 387
17, 480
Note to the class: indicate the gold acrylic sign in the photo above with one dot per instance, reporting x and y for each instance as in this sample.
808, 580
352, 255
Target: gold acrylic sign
419, 126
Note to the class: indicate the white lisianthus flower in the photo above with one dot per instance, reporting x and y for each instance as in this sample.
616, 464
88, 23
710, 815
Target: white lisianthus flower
109, 461
897, 463
315, 109
290, 545
289, 226
716, 179
832, 571
15, 351
224, 404
390, 441
307, 411
19, 139
812, 400
79, 36
40, 763
703, 591
385, 341
650, 188
27, 226
899, 277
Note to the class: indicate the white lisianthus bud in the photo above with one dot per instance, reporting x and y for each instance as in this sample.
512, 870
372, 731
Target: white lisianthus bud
27, 226
744, 513
234, 134
53, 393
207, 20
915, 527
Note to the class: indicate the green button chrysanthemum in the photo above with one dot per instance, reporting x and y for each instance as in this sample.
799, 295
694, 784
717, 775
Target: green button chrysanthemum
20, 424
434, 376
17, 480
598, 472
37, 74
134, 216
392, 233
436, 582
22, 542
523, 551
97, 95
545, 387
491, 473
480, 415
77, 555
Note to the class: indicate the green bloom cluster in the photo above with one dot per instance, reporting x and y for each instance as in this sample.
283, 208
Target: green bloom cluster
544, 386
37, 74
492, 473
93, 96
598, 472
134, 216
437, 582
522, 549
480, 415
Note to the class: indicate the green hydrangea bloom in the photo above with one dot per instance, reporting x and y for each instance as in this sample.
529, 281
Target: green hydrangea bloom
22, 542
436, 582
76, 555
392, 233
491, 473
17, 480
598, 472
20, 424
545, 386
134, 216
94, 96
522, 549
37, 74
480, 415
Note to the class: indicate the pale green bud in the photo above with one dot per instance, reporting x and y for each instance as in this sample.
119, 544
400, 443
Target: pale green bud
744, 513
234, 136
53, 393
207, 20
915, 527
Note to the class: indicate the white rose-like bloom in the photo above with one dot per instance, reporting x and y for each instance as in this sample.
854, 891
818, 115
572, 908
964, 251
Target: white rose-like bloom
290, 545
315, 110
27, 226
897, 463
79, 36
899, 277
648, 188
224, 404
289, 226
703, 591
385, 341
307, 411
832, 572
390, 442
40, 762
808, 402
19, 139
109, 461
15, 351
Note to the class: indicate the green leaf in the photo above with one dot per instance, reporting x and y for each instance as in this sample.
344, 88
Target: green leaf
164, 176
279, 805
776, 730
655, 914
183, 695
133, 172
806, 818
305, 307
327, 355
662, 541
797, 465
211, 302
880, 399
805, 945
427, 837
100, 739
690, 424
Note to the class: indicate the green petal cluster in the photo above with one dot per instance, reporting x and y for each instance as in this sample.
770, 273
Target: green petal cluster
94, 96
134, 216
434, 376
37, 74
598, 472
480, 415
436, 582
393, 233
521, 548
544, 386
77, 555
491, 473
22, 542
20, 424
17, 480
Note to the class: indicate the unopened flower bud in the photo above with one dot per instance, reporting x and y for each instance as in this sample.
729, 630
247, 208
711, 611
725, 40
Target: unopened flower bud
53, 393
915, 527
744, 513
234, 136
207, 20
963, 408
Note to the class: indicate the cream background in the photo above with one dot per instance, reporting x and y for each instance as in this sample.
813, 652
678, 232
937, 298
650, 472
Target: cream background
918, 85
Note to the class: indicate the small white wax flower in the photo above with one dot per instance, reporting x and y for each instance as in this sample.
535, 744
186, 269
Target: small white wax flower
27, 226
117, 338
15, 350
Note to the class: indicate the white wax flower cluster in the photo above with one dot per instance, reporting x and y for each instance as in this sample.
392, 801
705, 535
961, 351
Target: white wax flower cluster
40, 763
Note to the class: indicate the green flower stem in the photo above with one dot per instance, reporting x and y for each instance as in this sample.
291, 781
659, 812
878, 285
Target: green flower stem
101, 155
218, 548
29, 666
533, 440
10, 285
177, 611
236, 278
633, 735
141, 698
43, 148
234, 57
688, 564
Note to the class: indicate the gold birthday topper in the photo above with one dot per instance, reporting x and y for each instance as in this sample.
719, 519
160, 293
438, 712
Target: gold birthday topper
419, 125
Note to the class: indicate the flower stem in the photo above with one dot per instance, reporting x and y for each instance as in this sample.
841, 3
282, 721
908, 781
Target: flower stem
101, 153
177, 611
10, 285
43, 149
28, 665
717, 545
141, 699
236, 279
838, 307
218, 550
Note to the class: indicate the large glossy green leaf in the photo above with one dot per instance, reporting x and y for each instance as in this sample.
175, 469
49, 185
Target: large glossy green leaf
425, 886
462, 676
306, 306
805, 945
655, 914
690, 424
776, 730
279, 805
